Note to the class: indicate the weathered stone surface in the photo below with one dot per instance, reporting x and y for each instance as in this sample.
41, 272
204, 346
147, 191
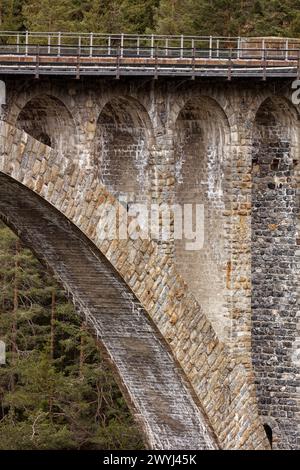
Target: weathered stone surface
154, 385
183, 143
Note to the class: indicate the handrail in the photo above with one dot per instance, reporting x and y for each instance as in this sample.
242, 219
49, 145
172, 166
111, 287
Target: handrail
185, 52
22, 42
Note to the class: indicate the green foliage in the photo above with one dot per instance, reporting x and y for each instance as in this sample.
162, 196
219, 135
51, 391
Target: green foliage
50, 15
198, 17
228, 17
56, 391
115, 16
175, 17
11, 15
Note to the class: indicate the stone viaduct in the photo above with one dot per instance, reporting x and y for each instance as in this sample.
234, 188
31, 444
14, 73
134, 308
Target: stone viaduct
205, 344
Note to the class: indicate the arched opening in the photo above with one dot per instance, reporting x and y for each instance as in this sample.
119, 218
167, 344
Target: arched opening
48, 120
122, 148
275, 207
269, 434
201, 145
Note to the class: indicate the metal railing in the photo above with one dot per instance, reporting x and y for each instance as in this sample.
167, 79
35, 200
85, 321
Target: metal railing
95, 44
82, 50
91, 43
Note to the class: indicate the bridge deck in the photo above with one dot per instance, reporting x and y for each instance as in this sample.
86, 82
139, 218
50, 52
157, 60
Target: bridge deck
78, 55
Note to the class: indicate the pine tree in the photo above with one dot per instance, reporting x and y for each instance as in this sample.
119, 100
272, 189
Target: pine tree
63, 395
50, 15
175, 17
11, 18
103, 16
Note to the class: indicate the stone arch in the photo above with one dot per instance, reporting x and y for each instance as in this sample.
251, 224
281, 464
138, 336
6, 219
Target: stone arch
123, 143
211, 375
275, 209
201, 143
47, 119
165, 409
273, 432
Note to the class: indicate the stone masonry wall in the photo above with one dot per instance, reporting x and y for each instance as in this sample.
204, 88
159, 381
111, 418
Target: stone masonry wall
171, 141
274, 275
223, 387
154, 385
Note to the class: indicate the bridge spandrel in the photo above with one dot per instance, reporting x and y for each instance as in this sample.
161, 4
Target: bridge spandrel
229, 407
152, 382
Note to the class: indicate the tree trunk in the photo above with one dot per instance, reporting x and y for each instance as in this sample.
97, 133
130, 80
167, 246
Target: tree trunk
14, 312
52, 332
81, 355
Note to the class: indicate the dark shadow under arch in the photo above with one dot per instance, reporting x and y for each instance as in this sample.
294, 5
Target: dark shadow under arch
47, 119
123, 143
269, 434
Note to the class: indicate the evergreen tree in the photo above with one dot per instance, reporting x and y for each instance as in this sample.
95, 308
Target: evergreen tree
112, 16
50, 15
11, 18
175, 17
56, 392
103, 16
197, 17
138, 17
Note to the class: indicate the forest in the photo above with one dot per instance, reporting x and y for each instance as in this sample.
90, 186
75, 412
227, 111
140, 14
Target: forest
56, 389
196, 17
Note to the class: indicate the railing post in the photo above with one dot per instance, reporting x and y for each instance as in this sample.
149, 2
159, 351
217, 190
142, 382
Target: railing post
18, 43
122, 44
263, 52
264, 66
238, 48
26, 43
37, 63
138, 45
91, 44
167, 46
181, 46
118, 64
58, 43
156, 64
287, 49
79, 45
193, 62
49, 44
218, 48
78, 65
229, 64
152, 45
109, 45
210, 47
193, 47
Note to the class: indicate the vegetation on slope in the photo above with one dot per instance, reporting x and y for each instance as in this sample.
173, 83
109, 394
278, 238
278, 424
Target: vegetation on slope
200, 17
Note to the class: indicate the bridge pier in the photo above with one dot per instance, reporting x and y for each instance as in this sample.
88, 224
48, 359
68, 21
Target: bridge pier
189, 142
